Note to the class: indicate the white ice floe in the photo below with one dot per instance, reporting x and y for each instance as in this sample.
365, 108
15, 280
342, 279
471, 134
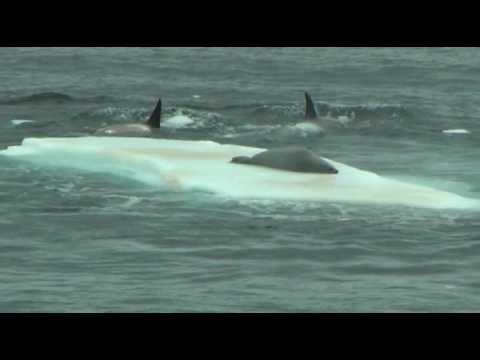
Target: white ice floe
205, 165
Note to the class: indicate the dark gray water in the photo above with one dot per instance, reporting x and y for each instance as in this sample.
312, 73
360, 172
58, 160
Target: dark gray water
79, 241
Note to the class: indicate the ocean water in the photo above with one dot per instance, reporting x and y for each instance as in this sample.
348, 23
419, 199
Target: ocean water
73, 240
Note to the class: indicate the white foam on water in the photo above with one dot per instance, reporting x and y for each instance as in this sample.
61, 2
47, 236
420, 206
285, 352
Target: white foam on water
344, 120
307, 126
205, 165
177, 122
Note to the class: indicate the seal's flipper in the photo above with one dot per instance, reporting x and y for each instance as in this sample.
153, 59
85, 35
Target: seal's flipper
154, 120
310, 108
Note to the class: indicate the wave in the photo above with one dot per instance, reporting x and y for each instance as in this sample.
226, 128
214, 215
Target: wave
230, 119
173, 118
384, 119
38, 98
52, 97
296, 112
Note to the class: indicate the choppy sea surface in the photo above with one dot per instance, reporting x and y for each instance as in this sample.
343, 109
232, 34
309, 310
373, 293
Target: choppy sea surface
79, 241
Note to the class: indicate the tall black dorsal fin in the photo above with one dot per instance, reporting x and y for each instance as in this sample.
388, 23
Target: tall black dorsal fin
154, 120
310, 108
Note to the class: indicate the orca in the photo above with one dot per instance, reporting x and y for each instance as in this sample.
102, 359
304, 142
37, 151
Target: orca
135, 130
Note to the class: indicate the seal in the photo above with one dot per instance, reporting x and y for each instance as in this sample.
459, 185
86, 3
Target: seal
290, 159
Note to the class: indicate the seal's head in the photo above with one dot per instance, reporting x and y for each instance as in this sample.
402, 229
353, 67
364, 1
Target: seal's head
327, 168
241, 160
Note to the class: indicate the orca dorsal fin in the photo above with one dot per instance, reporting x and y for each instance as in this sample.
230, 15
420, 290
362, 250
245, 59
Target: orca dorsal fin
310, 108
154, 120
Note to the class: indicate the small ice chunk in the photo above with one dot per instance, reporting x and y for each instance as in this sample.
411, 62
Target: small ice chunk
17, 122
456, 131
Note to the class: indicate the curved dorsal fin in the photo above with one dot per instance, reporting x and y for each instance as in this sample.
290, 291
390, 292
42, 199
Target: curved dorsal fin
310, 108
154, 120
